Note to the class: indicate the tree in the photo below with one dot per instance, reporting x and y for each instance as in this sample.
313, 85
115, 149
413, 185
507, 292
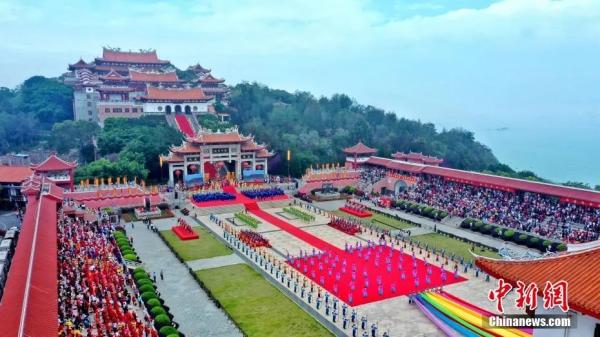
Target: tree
69, 135
48, 100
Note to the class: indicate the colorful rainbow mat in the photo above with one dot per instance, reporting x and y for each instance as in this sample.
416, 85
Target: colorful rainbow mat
457, 318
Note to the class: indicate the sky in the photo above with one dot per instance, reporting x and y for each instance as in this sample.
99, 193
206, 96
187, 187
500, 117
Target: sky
521, 74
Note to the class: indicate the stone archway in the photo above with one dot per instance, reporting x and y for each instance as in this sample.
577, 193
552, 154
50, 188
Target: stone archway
168, 110
178, 109
188, 109
400, 186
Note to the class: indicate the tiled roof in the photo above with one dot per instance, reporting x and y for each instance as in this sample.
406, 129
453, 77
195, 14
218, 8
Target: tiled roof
198, 68
113, 75
14, 174
53, 163
187, 147
227, 137
395, 164
579, 269
30, 293
191, 94
250, 145
264, 153
359, 148
211, 79
153, 76
130, 57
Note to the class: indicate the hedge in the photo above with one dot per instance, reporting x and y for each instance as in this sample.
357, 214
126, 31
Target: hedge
153, 302
130, 257
162, 321
148, 295
168, 331
561, 247
157, 311
146, 288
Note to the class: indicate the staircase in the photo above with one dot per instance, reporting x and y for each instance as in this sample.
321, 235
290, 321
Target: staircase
184, 125
171, 121
195, 123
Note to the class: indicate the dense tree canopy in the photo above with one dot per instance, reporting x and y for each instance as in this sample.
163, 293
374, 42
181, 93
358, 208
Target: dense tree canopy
28, 112
317, 129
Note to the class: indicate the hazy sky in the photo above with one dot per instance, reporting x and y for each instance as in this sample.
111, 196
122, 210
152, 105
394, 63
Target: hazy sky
522, 74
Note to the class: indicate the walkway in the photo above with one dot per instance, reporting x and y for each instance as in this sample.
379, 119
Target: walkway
214, 262
193, 310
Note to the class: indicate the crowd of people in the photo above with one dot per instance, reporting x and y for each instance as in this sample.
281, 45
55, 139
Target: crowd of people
525, 211
263, 193
347, 226
96, 296
212, 196
253, 239
369, 176
355, 206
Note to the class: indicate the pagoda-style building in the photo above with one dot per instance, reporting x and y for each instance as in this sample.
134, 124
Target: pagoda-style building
176, 100
57, 170
358, 154
211, 155
117, 85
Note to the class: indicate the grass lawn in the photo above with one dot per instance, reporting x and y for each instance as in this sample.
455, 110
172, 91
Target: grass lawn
452, 245
205, 247
379, 220
256, 305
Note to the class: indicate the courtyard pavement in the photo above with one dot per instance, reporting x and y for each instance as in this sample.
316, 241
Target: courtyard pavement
189, 304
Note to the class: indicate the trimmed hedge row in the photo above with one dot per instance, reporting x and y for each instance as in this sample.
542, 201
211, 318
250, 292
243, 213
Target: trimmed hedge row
124, 245
424, 210
511, 235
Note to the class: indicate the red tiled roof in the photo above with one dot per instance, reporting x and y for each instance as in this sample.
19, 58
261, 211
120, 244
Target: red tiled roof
579, 269
229, 137
172, 158
250, 145
211, 79
191, 94
113, 75
130, 57
53, 163
198, 68
115, 89
264, 153
359, 148
14, 174
28, 306
567, 194
187, 147
417, 157
80, 64
152, 76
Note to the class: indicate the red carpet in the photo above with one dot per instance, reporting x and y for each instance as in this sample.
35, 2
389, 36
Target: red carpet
356, 213
309, 266
184, 125
184, 234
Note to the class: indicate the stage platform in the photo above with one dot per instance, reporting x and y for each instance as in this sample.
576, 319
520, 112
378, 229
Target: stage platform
363, 214
184, 234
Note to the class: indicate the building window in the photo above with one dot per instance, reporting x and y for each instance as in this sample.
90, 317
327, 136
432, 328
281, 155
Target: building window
195, 108
107, 110
133, 109
141, 109
117, 110
160, 108
88, 96
90, 112
126, 109
89, 103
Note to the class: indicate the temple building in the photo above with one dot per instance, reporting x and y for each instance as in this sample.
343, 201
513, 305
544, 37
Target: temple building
58, 171
358, 154
210, 155
126, 84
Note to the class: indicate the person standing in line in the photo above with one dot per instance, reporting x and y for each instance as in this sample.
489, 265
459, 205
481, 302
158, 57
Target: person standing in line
162, 276
154, 276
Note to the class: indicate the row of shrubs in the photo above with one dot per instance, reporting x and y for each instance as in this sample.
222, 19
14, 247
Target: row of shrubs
353, 190
127, 251
424, 210
153, 303
300, 214
163, 319
250, 221
511, 235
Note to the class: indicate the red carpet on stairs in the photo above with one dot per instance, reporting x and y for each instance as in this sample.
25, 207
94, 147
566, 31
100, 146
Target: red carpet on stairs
184, 125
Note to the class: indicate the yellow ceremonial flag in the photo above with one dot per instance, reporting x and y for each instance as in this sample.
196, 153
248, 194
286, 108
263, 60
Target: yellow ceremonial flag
125, 180
289, 155
96, 181
110, 180
118, 180
160, 160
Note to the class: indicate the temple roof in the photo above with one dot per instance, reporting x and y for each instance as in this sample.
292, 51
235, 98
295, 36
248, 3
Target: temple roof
153, 76
113, 75
418, 157
80, 64
211, 79
112, 55
359, 148
115, 89
579, 269
172, 158
264, 153
54, 163
198, 68
14, 174
186, 147
190, 94
250, 145
219, 137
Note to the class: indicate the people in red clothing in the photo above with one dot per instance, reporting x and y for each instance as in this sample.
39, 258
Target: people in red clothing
97, 297
253, 239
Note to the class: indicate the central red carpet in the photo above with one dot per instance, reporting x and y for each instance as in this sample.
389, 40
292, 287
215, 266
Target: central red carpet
330, 271
343, 272
239, 199
184, 125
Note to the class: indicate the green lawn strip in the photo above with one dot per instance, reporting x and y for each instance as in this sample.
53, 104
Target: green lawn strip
299, 214
247, 219
206, 246
451, 245
379, 220
256, 305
